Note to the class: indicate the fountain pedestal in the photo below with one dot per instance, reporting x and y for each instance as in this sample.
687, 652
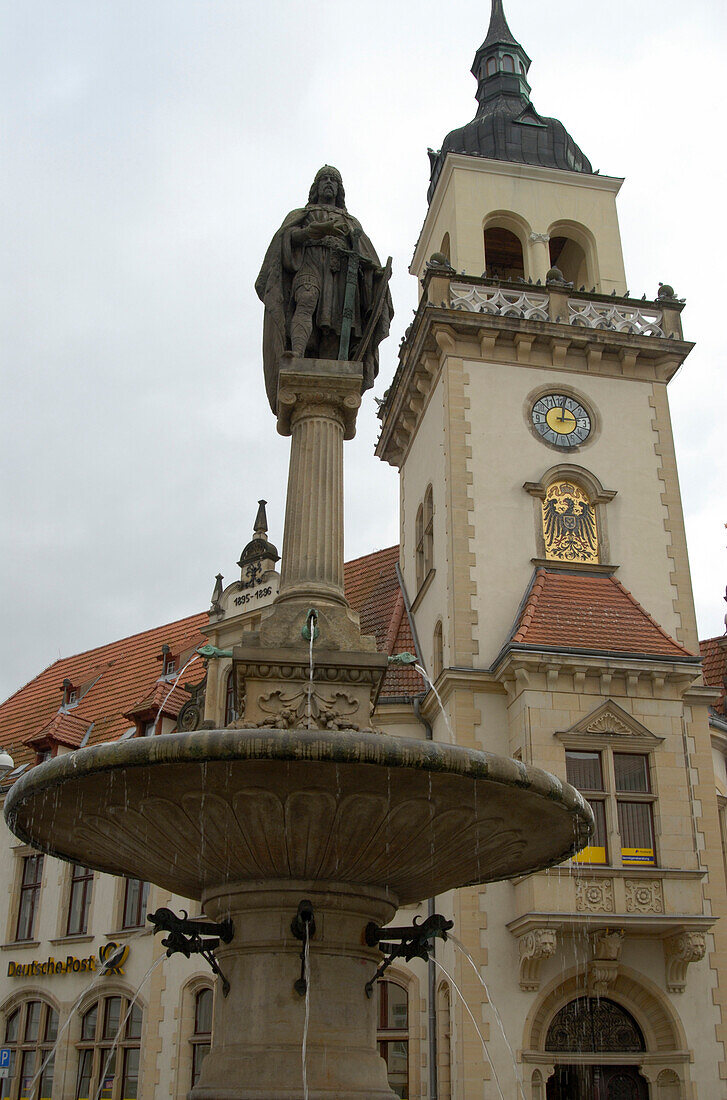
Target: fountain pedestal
258, 1029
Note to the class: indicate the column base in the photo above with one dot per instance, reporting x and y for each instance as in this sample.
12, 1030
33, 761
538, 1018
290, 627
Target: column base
256, 1051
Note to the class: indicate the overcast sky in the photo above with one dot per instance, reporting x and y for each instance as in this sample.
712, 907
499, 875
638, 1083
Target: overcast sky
150, 149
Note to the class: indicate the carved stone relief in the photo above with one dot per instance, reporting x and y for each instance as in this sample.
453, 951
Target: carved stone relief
644, 896
679, 952
594, 895
606, 946
534, 948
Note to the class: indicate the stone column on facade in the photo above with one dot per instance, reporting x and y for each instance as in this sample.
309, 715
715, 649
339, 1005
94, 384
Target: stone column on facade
539, 256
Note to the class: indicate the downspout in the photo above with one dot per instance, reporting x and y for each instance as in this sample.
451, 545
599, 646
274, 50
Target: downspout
431, 965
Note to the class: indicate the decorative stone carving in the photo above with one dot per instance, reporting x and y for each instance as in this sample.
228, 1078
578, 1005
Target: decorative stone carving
540, 238
594, 895
616, 318
679, 952
644, 896
505, 303
534, 948
607, 722
606, 946
308, 708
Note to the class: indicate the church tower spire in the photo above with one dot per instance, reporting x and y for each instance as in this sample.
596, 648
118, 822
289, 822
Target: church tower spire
501, 64
506, 125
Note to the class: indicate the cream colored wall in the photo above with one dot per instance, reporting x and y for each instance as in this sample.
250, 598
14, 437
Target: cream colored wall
505, 454
472, 191
425, 465
159, 998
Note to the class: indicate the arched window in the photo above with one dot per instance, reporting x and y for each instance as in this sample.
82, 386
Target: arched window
444, 1042
569, 257
508, 63
30, 1033
419, 536
570, 530
201, 1039
438, 650
117, 1073
491, 66
393, 1035
503, 254
230, 701
428, 530
594, 1024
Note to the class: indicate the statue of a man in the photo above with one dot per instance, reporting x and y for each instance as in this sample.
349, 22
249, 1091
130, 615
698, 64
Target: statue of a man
321, 276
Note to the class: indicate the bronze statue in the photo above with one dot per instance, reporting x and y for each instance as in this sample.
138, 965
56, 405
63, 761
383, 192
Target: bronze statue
325, 294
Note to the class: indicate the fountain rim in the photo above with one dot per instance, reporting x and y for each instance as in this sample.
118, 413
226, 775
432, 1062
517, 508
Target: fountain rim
350, 747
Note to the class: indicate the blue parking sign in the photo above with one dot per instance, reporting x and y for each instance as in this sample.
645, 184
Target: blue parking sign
5, 1053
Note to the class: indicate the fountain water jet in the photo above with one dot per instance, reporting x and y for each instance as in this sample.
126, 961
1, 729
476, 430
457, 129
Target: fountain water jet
301, 798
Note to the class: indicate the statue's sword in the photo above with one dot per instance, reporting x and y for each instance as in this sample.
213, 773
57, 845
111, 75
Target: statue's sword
349, 296
375, 313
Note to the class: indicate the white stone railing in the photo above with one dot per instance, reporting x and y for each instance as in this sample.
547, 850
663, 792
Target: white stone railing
506, 303
616, 318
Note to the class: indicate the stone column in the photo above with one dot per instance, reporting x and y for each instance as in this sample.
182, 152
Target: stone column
258, 1028
318, 400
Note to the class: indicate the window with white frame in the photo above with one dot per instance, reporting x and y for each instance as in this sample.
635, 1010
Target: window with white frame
201, 1038
393, 1035
79, 900
29, 904
31, 1031
109, 1051
136, 893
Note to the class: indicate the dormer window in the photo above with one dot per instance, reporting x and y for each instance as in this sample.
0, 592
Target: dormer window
70, 694
169, 661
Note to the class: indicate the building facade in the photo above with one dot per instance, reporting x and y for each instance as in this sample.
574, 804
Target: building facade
542, 579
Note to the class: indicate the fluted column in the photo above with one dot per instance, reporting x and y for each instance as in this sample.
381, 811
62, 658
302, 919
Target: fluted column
317, 405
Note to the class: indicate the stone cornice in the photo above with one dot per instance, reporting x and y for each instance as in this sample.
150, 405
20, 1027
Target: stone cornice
439, 331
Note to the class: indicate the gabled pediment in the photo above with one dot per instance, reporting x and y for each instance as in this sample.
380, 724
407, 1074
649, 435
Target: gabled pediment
610, 722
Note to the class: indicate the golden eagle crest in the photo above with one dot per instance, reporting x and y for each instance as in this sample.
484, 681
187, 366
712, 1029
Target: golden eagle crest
569, 524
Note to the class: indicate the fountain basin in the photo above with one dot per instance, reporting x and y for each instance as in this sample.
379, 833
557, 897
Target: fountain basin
250, 822
193, 811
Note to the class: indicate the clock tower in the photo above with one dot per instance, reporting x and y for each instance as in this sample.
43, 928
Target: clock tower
544, 557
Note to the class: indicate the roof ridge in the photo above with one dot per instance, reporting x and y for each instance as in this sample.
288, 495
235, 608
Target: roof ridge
118, 641
526, 616
373, 554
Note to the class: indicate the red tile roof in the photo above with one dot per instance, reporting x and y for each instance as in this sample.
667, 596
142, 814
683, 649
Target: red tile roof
109, 680
714, 658
372, 589
590, 611
122, 680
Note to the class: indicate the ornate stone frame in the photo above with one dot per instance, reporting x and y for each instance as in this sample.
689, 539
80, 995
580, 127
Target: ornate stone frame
598, 496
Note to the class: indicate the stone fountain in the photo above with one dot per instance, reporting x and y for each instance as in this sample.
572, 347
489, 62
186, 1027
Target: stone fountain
302, 800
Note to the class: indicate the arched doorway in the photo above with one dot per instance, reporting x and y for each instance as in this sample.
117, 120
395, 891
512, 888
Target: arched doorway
587, 1029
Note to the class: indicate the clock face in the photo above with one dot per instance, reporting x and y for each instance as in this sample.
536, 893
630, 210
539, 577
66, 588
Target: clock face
561, 420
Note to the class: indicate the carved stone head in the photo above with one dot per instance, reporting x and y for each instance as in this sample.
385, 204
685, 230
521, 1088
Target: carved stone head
322, 191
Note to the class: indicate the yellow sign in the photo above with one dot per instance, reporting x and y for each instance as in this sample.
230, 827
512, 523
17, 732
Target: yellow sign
73, 965
638, 855
591, 854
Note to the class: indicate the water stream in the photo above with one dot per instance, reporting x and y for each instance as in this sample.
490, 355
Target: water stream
123, 1023
72, 1011
428, 682
306, 1019
192, 659
476, 1025
461, 947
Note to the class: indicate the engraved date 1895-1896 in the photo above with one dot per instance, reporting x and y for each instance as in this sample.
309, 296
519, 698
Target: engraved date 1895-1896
250, 597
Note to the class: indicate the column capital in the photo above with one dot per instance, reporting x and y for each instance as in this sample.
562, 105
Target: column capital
323, 387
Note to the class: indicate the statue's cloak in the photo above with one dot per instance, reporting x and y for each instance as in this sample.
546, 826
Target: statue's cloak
274, 287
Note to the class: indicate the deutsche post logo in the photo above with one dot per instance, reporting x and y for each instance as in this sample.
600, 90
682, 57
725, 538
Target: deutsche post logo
112, 957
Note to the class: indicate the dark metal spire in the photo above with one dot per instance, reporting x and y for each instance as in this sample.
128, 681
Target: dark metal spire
499, 31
